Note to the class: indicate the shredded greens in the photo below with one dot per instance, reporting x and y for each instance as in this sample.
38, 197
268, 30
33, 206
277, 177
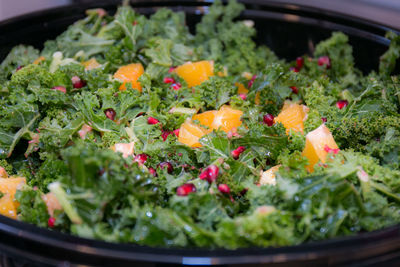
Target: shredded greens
107, 196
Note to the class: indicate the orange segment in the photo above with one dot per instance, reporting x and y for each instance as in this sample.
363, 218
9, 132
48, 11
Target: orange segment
227, 118
241, 88
268, 177
292, 117
206, 118
130, 74
91, 64
190, 133
38, 60
10, 185
7, 207
125, 148
316, 141
194, 73
52, 203
3, 173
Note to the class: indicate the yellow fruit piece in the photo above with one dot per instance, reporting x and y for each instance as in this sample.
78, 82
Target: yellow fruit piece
130, 74
3, 173
316, 143
257, 100
268, 177
227, 118
241, 88
126, 149
247, 75
190, 133
10, 185
38, 60
206, 118
91, 64
194, 73
292, 116
223, 73
52, 203
7, 207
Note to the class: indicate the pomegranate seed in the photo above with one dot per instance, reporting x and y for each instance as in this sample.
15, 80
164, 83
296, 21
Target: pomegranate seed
60, 88
250, 84
324, 61
268, 119
169, 80
294, 69
295, 90
153, 172
236, 153
342, 104
51, 222
141, 158
299, 62
224, 189
185, 189
243, 96
167, 165
110, 113
77, 82
19, 67
176, 132
331, 150
210, 173
176, 86
165, 134
171, 69
324, 119
244, 191
134, 23
152, 120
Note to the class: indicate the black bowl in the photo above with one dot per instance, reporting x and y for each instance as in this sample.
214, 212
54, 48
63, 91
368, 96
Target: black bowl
289, 30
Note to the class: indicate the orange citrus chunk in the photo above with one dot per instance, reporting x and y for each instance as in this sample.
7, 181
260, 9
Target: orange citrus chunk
292, 116
52, 203
268, 177
3, 173
130, 74
125, 148
91, 64
206, 118
10, 185
227, 118
194, 73
38, 60
190, 133
241, 88
316, 143
7, 207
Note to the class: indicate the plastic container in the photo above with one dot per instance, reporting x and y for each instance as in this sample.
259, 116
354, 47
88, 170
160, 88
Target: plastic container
290, 30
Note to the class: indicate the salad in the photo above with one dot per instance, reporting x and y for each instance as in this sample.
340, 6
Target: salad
132, 129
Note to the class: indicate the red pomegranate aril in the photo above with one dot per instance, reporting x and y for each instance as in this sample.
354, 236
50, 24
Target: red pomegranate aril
110, 113
342, 104
60, 88
210, 173
167, 165
51, 222
294, 69
176, 132
77, 82
185, 189
153, 172
165, 134
224, 189
268, 119
152, 120
134, 23
295, 90
299, 62
324, 119
324, 61
250, 84
331, 150
236, 153
176, 86
19, 67
141, 158
169, 80
171, 69
243, 96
